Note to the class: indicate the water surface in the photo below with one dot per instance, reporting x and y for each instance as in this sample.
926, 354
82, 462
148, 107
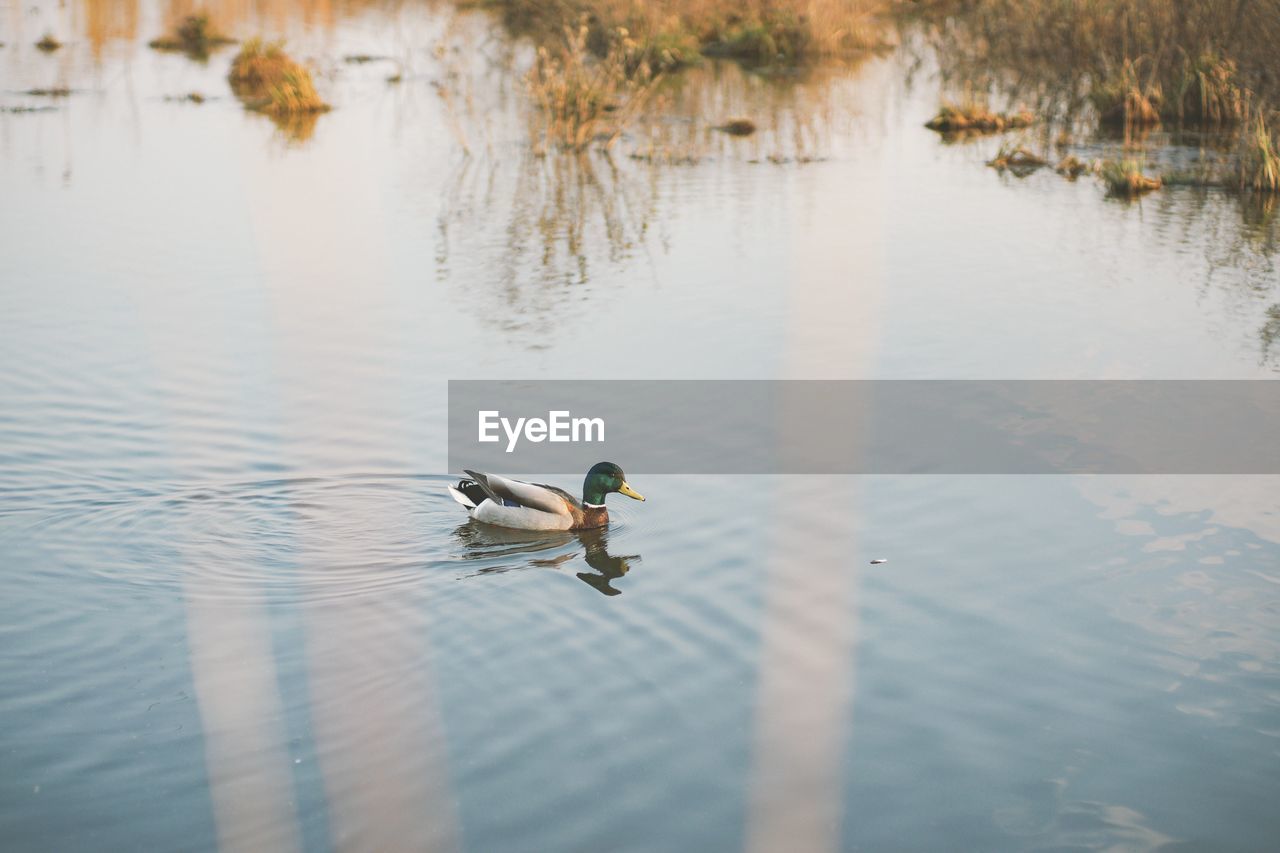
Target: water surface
239, 608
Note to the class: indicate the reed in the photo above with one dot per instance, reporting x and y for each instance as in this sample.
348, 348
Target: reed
1126, 96
1258, 158
1208, 92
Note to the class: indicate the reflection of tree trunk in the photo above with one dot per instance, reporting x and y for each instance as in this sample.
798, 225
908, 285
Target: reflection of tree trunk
806, 670
234, 674
377, 732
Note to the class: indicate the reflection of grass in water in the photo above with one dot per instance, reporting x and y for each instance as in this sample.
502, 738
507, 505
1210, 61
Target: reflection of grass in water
195, 37
1270, 332
560, 218
526, 238
722, 111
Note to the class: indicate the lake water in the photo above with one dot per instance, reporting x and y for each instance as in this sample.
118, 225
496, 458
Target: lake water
237, 607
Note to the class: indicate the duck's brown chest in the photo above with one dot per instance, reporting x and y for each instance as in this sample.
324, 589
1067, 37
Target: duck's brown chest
590, 516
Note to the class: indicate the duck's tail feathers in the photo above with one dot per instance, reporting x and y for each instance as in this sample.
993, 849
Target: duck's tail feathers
468, 493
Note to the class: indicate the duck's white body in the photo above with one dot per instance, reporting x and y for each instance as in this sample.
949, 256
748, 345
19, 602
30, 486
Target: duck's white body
521, 517
525, 506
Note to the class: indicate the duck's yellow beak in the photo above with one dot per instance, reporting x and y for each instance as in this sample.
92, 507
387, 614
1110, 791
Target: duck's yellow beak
625, 489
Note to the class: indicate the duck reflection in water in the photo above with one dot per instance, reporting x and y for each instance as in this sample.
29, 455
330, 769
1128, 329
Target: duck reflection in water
506, 550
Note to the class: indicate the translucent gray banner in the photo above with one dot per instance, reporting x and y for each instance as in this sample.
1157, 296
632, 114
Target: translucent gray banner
866, 427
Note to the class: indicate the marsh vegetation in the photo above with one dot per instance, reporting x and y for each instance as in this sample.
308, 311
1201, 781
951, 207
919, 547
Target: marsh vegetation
1127, 66
669, 34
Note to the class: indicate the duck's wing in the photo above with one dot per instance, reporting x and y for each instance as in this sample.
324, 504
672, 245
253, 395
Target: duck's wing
505, 491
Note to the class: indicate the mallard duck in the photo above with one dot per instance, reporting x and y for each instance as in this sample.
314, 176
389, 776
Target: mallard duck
534, 506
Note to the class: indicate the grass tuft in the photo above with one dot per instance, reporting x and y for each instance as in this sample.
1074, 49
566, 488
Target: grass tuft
973, 116
1125, 179
266, 79
583, 99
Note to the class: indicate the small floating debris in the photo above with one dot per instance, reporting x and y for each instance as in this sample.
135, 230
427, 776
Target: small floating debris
666, 156
737, 127
1018, 160
1071, 167
54, 92
26, 109
189, 98
783, 160
878, 560
48, 44
362, 58
395, 78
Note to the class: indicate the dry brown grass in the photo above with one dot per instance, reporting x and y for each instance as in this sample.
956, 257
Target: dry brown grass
1127, 96
1125, 178
1210, 64
583, 99
972, 116
1258, 157
1017, 159
1094, 37
266, 79
668, 34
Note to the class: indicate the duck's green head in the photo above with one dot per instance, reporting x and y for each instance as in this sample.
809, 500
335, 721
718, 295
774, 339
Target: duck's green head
603, 478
